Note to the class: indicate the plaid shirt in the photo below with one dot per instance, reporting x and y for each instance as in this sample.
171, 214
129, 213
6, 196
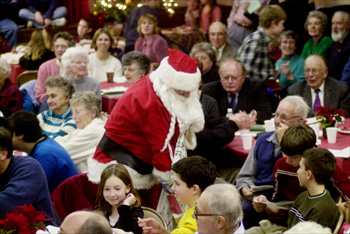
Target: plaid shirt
254, 53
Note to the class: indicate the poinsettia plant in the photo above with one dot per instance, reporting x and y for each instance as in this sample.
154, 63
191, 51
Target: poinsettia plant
23, 220
328, 116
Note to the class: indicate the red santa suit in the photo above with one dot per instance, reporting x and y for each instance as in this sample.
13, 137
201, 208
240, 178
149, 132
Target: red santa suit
143, 130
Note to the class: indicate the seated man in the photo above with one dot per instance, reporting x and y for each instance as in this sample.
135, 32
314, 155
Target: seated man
191, 177
28, 137
219, 210
7, 25
84, 222
218, 39
297, 139
339, 53
258, 167
84, 31
236, 91
22, 179
315, 204
319, 89
254, 51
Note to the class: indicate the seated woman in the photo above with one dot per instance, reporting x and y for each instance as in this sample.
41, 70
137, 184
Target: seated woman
43, 13
192, 14
290, 67
315, 25
210, 13
135, 65
102, 62
204, 53
150, 42
82, 142
74, 67
11, 98
57, 121
39, 51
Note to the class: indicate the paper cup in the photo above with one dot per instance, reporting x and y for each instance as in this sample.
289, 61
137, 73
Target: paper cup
110, 76
247, 139
331, 135
316, 128
269, 125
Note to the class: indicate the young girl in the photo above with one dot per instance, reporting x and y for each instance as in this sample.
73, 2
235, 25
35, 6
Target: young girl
118, 200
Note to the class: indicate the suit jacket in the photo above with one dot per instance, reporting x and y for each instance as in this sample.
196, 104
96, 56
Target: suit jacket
228, 51
336, 94
253, 95
338, 56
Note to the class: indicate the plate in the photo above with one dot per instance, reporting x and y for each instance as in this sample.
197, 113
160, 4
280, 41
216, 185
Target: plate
343, 131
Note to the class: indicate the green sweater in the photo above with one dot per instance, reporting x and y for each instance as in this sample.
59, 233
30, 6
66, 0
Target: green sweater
321, 48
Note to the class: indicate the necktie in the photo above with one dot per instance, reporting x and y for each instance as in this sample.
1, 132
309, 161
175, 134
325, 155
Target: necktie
233, 101
317, 102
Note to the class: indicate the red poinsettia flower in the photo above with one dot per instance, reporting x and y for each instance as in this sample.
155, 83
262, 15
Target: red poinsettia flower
328, 116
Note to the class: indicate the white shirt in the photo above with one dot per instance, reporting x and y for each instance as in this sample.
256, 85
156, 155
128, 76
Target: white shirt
320, 94
98, 69
219, 52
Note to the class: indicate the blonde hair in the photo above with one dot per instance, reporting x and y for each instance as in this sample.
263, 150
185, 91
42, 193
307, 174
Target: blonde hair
39, 42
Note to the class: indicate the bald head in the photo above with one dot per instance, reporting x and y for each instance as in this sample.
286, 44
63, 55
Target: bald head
81, 221
217, 34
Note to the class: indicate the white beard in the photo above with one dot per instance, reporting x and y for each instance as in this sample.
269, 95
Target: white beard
338, 35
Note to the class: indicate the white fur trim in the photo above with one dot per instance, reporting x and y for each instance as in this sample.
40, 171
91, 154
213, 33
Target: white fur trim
96, 168
176, 79
161, 175
190, 139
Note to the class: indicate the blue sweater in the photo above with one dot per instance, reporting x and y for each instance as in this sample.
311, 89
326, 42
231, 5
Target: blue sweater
55, 161
24, 182
266, 161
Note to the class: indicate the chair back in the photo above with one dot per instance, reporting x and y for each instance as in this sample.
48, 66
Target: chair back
26, 76
340, 221
151, 213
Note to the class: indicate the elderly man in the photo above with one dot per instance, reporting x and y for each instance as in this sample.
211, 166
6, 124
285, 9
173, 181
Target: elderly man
319, 89
219, 210
85, 222
152, 124
218, 38
340, 51
236, 91
258, 167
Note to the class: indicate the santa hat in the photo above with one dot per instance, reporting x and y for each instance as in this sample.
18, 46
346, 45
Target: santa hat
179, 71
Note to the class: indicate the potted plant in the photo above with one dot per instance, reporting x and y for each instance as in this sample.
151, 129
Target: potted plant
328, 117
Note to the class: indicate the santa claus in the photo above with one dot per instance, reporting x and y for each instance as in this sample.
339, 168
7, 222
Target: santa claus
152, 123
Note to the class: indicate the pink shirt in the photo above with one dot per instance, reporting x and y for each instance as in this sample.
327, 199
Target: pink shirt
156, 48
49, 68
207, 19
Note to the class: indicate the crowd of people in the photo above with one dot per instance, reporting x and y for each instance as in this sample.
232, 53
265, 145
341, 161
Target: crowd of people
166, 135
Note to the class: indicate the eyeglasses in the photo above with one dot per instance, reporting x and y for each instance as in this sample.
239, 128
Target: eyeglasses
196, 214
284, 117
314, 71
234, 78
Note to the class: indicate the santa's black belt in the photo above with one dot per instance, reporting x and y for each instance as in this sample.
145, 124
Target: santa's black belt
123, 155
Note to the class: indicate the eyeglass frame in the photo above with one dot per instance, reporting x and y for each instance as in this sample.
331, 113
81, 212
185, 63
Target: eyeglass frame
314, 71
196, 215
277, 115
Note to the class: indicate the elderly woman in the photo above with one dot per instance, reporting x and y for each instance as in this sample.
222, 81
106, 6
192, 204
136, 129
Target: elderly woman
102, 62
315, 25
74, 67
82, 142
57, 121
11, 98
290, 67
149, 42
135, 65
204, 53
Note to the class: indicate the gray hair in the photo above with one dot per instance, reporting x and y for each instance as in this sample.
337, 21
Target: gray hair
321, 57
301, 108
309, 227
90, 100
69, 56
142, 61
60, 82
218, 24
226, 201
319, 15
346, 15
5, 68
205, 47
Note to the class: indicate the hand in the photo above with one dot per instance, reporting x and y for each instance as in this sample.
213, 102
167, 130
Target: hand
258, 206
244, 120
47, 22
285, 69
39, 18
150, 226
280, 130
248, 193
104, 116
129, 200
